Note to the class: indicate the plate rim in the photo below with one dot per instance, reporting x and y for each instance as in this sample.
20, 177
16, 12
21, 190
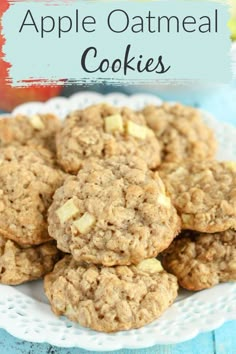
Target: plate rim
122, 343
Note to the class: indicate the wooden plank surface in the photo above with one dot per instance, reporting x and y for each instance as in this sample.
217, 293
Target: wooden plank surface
225, 340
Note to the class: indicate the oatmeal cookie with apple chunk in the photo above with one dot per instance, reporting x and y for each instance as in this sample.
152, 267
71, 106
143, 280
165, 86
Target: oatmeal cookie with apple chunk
114, 212
110, 299
38, 130
28, 181
181, 132
201, 260
204, 193
27, 154
19, 265
103, 131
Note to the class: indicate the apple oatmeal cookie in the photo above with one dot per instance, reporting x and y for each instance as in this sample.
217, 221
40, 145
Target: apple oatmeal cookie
28, 181
114, 212
181, 132
38, 130
19, 265
110, 299
203, 192
200, 260
103, 131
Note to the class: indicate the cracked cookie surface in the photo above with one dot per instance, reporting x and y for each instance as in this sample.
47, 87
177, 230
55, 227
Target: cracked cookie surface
181, 132
200, 260
27, 184
109, 299
19, 265
103, 131
114, 211
203, 192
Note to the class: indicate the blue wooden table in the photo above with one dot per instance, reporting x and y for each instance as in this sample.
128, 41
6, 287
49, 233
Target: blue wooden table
221, 341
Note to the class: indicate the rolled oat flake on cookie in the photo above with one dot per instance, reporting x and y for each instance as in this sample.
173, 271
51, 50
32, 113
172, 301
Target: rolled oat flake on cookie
104, 131
114, 212
110, 299
203, 192
201, 260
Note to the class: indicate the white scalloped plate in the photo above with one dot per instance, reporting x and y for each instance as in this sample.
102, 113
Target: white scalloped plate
25, 312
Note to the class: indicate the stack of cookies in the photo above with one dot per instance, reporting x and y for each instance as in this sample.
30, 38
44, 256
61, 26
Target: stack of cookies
204, 193
28, 180
115, 189
113, 218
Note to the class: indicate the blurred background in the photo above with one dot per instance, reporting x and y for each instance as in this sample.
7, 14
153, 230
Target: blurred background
218, 99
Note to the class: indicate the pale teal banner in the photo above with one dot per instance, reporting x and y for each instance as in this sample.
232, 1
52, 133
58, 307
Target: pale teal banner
124, 42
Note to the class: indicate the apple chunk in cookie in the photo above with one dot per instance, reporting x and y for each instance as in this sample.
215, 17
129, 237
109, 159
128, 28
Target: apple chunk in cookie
110, 299
104, 131
37, 130
114, 211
